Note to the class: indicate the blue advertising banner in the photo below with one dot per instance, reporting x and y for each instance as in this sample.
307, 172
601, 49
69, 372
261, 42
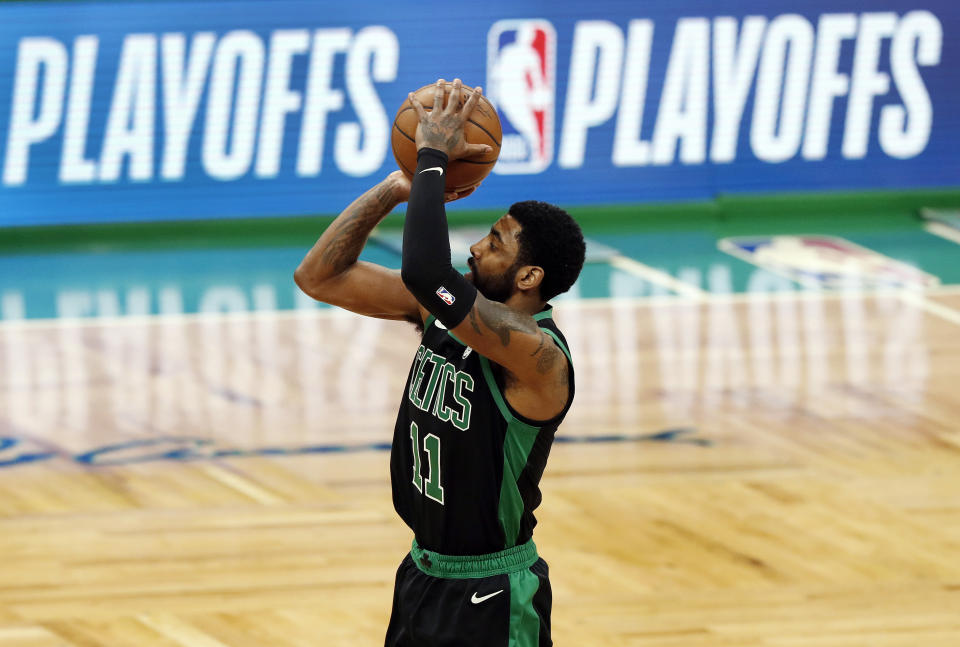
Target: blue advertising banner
120, 111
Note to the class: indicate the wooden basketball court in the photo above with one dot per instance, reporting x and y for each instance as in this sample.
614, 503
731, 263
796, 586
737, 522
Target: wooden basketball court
753, 470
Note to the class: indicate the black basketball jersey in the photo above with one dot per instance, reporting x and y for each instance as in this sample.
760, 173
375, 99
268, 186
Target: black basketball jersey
465, 467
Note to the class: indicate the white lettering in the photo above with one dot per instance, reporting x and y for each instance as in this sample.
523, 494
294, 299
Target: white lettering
682, 115
760, 330
609, 72
733, 70
74, 303
906, 370
130, 125
781, 95
35, 372
827, 83
374, 52
900, 136
596, 60
278, 98
628, 149
867, 81
223, 298
181, 95
13, 307
238, 62
725, 371
74, 167
321, 98
677, 337
25, 129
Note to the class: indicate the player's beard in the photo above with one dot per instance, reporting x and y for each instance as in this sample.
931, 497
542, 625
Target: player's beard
497, 287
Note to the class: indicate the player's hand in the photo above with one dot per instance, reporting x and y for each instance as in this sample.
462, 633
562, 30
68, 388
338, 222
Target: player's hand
442, 127
450, 197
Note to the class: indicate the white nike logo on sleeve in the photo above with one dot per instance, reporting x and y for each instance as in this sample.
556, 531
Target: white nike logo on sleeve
433, 168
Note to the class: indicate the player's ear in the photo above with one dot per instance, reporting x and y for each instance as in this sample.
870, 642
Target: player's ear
529, 277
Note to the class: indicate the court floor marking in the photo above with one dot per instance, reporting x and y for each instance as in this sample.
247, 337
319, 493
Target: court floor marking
943, 231
916, 297
913, 297
22, 452
931, 307
657, 277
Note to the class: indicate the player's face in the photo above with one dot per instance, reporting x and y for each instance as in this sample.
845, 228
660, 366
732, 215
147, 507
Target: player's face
493, 260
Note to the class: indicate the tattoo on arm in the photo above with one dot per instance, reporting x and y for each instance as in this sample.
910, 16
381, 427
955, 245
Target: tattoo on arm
344, 248
548, 354
539, 347
547, 359
473, 320
350, 234
501, 320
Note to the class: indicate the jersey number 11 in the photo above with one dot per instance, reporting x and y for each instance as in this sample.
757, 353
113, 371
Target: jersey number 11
431, 444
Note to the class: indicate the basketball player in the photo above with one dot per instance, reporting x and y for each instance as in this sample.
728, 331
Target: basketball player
490, 382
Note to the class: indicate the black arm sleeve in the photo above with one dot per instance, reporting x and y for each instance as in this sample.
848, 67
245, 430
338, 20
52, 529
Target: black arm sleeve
426, 269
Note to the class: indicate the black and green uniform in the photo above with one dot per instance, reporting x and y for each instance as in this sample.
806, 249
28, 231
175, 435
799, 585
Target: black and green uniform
466, 470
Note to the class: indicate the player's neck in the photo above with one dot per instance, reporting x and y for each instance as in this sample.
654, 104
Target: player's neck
525, 302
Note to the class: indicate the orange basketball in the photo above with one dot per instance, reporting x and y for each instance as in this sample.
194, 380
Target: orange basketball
482, 128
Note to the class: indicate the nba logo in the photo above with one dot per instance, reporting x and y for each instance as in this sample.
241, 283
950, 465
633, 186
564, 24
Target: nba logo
444, 294
521, 82
825, 261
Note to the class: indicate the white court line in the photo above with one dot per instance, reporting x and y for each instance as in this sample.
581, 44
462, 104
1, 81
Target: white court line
943, 231
170, 318
691, 294
944, 290
657, 277
931, 307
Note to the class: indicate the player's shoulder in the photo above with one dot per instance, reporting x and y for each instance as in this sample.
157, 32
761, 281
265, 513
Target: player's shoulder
545, 321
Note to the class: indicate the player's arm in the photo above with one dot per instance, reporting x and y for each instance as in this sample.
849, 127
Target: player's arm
515, 341
509, 338
330, 272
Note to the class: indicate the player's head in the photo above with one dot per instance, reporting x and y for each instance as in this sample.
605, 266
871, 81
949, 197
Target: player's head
535, 246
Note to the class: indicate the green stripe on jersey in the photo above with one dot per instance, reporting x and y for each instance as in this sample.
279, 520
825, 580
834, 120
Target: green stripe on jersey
495, 389
524, 621
517, 443
516, 449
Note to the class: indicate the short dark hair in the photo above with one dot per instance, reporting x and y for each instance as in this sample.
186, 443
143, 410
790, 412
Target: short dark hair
551, 238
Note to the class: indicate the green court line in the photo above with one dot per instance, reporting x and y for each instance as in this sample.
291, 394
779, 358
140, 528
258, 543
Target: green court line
727, 215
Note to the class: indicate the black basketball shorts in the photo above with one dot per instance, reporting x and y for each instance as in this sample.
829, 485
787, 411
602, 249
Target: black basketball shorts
497, 600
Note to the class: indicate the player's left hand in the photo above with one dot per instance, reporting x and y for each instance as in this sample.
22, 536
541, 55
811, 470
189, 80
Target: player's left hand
442, 127
450, 197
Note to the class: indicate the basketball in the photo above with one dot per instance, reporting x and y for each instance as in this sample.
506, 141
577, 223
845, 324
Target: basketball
482, 128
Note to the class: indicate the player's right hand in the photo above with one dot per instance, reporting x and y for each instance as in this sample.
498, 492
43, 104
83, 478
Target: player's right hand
442, 127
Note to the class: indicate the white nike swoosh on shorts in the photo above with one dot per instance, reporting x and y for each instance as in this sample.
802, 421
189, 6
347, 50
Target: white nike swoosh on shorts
478, 600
